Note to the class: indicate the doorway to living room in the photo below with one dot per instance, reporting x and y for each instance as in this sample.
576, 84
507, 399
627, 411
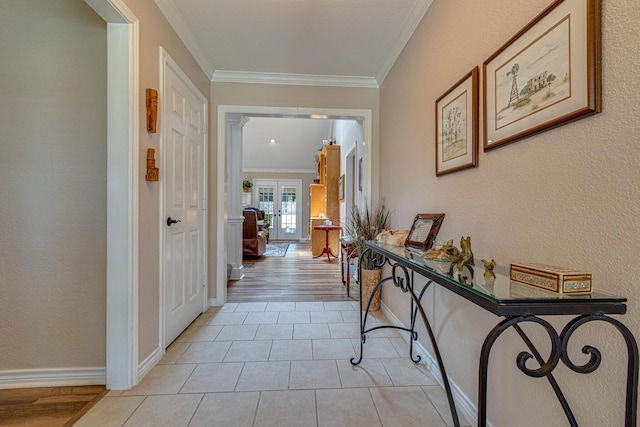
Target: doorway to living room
229, 176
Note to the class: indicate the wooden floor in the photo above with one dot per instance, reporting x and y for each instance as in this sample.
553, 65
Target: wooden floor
47, 406
294, 277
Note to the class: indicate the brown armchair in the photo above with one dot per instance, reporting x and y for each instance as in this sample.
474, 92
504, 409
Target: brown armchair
254, 241
262, 224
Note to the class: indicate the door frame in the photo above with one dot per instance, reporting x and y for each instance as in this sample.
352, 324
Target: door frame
221, 209
167, 62
122, 367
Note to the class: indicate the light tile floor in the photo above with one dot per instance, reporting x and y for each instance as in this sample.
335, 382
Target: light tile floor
280, 364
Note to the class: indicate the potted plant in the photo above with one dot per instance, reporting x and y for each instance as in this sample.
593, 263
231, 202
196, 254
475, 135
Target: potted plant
246, 185
366, 225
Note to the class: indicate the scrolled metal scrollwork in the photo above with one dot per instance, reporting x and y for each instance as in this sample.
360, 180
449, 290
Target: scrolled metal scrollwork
595, 357
554, 355
401, 279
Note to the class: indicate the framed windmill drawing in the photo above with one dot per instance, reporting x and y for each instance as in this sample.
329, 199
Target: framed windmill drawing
546, 75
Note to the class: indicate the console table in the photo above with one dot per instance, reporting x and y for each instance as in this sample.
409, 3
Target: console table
517, 304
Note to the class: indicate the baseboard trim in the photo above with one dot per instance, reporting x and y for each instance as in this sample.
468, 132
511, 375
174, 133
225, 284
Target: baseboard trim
463, 403
56, 377
148, 363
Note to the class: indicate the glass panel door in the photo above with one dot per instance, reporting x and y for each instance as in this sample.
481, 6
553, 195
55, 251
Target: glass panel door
281, 201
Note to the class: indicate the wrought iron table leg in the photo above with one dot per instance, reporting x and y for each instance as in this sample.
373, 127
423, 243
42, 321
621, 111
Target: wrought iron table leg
559, 352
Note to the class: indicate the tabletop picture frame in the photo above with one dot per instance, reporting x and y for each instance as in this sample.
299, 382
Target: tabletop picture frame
457, 126
546, 75
424, 230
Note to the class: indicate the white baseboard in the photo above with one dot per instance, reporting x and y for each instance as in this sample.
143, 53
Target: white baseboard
237, 273
55, 377
464, 405
148, 363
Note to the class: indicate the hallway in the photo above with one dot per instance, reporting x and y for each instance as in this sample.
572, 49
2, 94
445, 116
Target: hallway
279, 364
294, 277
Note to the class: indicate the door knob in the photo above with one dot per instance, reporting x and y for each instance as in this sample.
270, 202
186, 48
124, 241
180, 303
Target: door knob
172, 221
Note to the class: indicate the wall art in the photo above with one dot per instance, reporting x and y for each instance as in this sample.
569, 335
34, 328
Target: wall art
457, 126
547, 75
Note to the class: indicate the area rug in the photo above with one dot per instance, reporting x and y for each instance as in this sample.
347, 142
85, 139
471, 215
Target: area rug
276, 249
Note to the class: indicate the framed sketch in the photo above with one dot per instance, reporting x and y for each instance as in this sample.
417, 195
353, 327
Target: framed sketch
547, 75
457, 126
341, 187
360, 177
424, 230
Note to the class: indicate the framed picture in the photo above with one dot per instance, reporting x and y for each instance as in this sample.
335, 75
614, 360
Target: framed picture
424, 230
360, 174
457, 126
547, 75
341, 187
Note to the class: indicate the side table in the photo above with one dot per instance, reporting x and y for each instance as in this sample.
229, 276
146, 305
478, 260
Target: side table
327, 248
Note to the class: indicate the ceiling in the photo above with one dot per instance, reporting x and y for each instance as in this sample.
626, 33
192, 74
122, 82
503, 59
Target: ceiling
319, 42
283, 144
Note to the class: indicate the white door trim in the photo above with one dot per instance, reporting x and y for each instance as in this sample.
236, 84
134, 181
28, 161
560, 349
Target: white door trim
221, 184
122, 192
167, 62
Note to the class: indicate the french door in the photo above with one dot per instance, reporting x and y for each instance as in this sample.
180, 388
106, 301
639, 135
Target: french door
281, 202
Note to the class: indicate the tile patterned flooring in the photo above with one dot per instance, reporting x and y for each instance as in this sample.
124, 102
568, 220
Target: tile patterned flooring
280, 364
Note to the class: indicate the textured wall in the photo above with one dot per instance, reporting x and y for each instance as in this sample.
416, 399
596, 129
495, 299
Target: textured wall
568, 196
53, 180
52, 185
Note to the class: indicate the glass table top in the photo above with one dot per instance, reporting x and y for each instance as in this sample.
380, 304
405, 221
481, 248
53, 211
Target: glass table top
498, 291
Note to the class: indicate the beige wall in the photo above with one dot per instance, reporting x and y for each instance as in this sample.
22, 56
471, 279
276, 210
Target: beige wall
259, 95
155, 32
53, 181
569, 196
53, 173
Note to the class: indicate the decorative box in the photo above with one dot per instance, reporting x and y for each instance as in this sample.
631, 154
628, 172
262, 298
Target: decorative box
555, 279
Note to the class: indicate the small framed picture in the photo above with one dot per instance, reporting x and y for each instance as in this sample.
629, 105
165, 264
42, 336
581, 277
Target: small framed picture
360, 174
424, 230
457, 126
341, 187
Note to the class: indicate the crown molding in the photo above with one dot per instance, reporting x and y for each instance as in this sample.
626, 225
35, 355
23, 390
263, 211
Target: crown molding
173, 15
414, 18
225, 76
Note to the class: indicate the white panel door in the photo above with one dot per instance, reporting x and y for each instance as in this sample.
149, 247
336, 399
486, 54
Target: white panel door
184, 279
282, 203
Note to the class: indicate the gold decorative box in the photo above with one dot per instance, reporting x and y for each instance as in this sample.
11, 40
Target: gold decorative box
555, 279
